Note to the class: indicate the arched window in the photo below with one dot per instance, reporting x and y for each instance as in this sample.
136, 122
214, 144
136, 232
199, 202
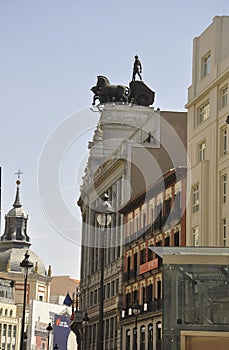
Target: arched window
142, 337
128, 339
135, 330
158, 335
150, 336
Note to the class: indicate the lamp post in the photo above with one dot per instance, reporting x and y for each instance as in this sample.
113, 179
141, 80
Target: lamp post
49, 329
26, 266
104, 219
136, 311
85, 323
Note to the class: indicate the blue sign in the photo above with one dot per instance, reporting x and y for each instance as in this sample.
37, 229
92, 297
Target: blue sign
61, 331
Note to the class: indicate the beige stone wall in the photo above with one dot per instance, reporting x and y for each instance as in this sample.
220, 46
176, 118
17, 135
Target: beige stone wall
208, 173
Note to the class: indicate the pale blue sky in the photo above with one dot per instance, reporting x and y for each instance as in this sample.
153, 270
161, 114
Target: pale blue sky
51, 53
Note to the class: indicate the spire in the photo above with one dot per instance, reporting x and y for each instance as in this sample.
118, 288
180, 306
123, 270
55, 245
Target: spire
16, 223
17, 203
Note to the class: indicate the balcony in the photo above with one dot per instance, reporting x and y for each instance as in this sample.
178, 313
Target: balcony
151, 306
129, 275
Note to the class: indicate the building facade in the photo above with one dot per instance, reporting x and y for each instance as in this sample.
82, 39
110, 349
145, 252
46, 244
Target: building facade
129, 151
14, 243
208, 152
9, 319
153, 218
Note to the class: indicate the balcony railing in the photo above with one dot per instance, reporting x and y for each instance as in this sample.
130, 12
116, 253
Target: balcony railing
151, 306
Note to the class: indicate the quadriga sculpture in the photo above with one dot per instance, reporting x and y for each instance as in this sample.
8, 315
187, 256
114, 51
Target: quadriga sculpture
106, 92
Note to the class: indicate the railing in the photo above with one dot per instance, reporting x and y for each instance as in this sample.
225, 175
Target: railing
129, 275
151, 306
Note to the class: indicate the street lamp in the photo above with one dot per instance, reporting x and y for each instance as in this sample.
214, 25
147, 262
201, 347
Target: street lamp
49, 329
136, 312
104, 219
26, 266
85, 320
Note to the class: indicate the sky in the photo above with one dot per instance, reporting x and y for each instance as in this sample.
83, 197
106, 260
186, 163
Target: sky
51, 53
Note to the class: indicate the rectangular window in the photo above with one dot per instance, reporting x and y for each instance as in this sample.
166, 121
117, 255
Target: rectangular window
130, 227
152, 215
223, 136
143, 256
224, 187
176, 239
195, 236
224, 232
144, 221
223, 96
206, 65
195, 198
203, 113
202, 151
136, 223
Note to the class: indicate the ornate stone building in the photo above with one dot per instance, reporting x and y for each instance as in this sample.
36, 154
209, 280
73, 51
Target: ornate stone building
153, 218
129, 151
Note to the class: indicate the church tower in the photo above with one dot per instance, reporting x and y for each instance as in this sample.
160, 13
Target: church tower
15, 235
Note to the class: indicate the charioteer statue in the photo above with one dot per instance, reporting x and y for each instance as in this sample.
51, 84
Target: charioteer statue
136, 93
137, 69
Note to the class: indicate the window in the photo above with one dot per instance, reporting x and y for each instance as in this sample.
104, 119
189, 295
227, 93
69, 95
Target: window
203, 112
130, 227
143, 295
143, 256
158, 334
195, 236
202, 151
152, 215
112, 288
176, 239
167, 241
144, 221
136, 223
142, 337
108, 290
149, 291
135, 263
150, 336
224, 187
206, 65
135, 338
224, 232
195, 198
159, 286
223, 140
128, 339
223, 96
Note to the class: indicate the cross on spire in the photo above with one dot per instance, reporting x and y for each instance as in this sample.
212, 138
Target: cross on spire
18, 173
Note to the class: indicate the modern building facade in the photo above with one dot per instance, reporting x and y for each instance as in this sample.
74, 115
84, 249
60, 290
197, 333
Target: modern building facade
196, 298
208, 152
129, 151
153, 218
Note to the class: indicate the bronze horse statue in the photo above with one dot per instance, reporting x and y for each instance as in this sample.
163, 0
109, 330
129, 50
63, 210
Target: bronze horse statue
106, 92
